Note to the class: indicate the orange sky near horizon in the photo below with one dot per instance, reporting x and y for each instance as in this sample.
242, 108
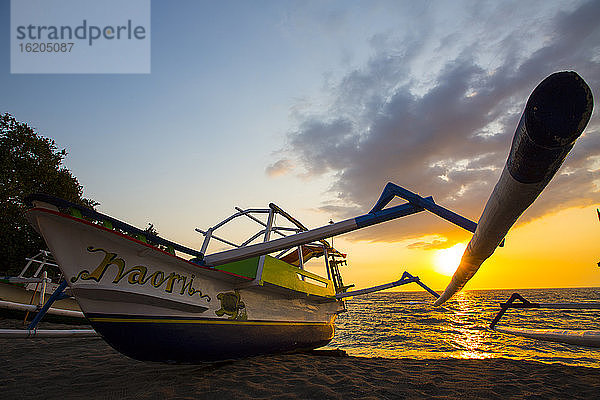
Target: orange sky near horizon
555, 251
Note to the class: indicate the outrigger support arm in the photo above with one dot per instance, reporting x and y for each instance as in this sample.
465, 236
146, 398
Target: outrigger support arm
528, 304
579, 337
377, 215
392, 190
511, 304
57, 295
405, 279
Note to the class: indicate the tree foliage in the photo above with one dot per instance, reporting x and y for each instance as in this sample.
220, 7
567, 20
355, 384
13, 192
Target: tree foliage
29, 163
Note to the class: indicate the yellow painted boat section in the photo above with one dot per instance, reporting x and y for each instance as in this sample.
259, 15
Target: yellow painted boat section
288, 276
282, 274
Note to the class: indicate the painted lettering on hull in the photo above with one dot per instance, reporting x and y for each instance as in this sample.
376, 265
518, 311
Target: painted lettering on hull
114, 267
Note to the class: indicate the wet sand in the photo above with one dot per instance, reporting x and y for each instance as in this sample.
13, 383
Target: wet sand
87, 368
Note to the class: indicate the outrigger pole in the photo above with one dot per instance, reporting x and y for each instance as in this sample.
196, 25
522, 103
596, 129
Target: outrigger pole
556, 114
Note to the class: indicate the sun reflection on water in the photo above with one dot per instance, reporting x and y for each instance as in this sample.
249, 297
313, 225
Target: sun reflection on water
469, 338
400, 325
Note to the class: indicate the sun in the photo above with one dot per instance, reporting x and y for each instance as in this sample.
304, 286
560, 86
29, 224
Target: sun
447, 260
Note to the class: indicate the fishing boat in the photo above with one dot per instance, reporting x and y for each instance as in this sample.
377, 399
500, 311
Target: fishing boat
153, 299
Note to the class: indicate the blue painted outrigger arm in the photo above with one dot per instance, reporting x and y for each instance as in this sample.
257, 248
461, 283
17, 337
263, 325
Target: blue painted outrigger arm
57, 295
392, 190
405, 279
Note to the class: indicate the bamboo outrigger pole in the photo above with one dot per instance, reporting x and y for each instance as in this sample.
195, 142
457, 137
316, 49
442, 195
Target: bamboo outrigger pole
556, 114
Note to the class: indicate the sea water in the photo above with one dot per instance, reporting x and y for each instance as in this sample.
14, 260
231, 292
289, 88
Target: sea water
405, 324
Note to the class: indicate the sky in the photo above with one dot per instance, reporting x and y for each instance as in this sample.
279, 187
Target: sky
315, 106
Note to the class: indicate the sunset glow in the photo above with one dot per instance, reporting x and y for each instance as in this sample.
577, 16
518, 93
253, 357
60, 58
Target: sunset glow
447, 260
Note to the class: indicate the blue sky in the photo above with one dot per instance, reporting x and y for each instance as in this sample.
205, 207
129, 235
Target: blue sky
293, 101
205, 123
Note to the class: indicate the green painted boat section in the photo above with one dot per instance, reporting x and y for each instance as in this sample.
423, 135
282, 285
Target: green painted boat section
245, 268
5, 280
282, 274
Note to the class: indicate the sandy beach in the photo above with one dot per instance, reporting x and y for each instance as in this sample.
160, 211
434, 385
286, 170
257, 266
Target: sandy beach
84, 368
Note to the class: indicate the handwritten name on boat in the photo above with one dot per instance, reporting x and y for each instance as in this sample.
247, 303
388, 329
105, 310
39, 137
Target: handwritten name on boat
138, 275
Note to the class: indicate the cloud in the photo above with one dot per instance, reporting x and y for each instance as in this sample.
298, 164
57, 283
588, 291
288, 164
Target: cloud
435, 244
447, 132
278, 168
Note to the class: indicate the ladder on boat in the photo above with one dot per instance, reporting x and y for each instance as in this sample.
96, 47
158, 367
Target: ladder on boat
334, 262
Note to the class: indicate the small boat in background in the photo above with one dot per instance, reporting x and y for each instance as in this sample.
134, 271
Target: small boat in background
23, 295
579, 337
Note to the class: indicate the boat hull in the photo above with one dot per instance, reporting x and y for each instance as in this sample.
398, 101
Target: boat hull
152, 305
194, 339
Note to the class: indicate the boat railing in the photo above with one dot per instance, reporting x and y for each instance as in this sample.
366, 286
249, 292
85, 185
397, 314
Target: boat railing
43, 280
379, 214
79, 211
267, 228
42, 259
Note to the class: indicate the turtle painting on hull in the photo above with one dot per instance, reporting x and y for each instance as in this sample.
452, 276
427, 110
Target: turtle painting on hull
232, 305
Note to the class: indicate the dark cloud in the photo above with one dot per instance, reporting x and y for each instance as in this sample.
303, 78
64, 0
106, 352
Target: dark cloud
447, 136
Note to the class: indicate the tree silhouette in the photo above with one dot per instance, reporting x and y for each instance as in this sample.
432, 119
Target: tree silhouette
29, 163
